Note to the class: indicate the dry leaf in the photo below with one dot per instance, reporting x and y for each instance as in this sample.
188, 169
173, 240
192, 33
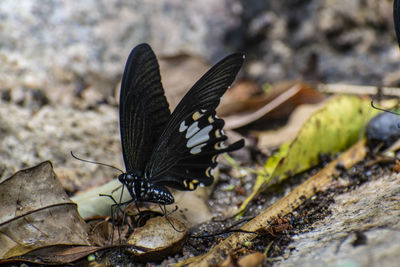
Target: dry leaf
251, 260
287, 133
244, 96
279, 106
36, 212
157, 239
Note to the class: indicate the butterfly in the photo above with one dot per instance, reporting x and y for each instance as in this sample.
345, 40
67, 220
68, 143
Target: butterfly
177, 150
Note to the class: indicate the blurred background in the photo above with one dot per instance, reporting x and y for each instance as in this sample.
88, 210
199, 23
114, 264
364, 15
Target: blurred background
57, 50
62, 61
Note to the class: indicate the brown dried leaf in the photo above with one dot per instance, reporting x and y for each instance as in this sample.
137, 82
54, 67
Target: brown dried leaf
285, 98
60, 254
36, 212
158, 238
243, 96
186, 200
251, 260
287, 133
230, 261
101, 233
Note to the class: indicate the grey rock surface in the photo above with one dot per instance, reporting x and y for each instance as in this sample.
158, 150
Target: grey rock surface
334, 41
28, 138
370, 212
69, 50
65, 47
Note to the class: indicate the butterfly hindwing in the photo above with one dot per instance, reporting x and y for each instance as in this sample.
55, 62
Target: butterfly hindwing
197, 145
144, 111
187, 149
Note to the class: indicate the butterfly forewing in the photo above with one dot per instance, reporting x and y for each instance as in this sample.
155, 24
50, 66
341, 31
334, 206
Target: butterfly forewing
186, 152
143, 108
207, 92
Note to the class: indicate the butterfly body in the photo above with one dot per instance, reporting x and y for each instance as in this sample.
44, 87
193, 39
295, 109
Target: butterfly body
142, 190
177, 150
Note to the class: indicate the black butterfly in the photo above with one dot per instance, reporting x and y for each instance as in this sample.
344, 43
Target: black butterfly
396, 19
177, 150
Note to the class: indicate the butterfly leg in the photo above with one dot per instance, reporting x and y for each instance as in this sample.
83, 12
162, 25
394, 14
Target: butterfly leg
165, 213
137, 207
115, 208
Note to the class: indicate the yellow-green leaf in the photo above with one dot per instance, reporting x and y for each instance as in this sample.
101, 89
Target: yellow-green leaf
332, 129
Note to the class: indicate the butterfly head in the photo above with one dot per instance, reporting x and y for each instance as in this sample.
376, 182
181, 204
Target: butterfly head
129, 179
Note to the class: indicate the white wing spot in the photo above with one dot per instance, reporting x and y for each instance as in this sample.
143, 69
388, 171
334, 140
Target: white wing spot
214, 158
192, 129
183, 127
219, 145
197, 149
200, 137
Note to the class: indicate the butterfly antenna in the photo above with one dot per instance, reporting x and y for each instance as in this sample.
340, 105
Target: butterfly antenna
381, 109
95, 162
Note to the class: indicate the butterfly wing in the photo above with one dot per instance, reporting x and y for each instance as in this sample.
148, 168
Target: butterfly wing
188, 147
143, 109
396, 19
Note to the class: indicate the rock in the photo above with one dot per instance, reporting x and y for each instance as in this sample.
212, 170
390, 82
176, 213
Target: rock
51, 133
362, 230
65, 47
383, 130
349, 38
